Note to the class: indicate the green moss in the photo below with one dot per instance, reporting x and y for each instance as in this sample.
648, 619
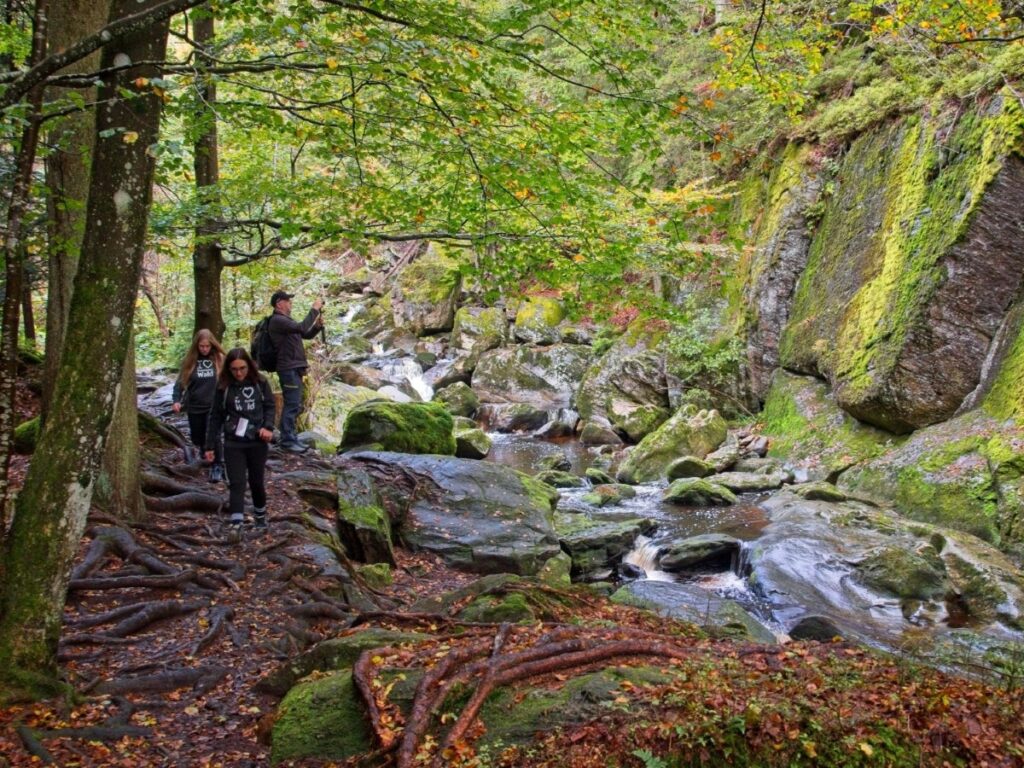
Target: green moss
322, 718
540, 311
401, 427
377, 575
512, 607
26, 435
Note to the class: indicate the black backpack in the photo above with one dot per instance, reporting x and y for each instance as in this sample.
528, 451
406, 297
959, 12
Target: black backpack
262, 349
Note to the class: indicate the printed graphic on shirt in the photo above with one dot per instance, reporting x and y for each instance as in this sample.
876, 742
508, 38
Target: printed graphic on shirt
246, 403
204, 369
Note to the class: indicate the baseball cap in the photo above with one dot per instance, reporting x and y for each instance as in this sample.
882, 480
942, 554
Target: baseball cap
279, 296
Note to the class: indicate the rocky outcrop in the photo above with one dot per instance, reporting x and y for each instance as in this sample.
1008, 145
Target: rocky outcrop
479, 329
626, 388
545, 377
537, 320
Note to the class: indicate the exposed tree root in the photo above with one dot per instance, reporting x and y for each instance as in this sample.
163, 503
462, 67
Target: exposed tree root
125, 582
32, 745
318, 610
201, 679
185, 501
220, 619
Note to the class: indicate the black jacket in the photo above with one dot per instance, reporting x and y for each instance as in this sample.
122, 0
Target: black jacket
245, 400
197, 395
287, 336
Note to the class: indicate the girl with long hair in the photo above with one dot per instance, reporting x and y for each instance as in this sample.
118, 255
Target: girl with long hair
194, 390
243, 413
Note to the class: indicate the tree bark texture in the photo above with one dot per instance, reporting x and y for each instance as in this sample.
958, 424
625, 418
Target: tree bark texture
207, 263
67, 176
52, 508
14, 265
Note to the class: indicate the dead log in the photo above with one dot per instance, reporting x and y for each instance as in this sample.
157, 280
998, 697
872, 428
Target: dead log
171, 581
201, 679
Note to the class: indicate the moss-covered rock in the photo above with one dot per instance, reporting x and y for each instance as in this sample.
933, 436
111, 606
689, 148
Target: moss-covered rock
689, 466
557, 571
376, 575
495, 609
334, 400
964, 474
819, 491
363, 525
626, 386
597, 545
333, 654
546, 377
537, 320
708, 551
400, 427
472, 443
26, 435
458, 398
807, 428
598, 476
478, 329
424, 295
687, 433
558, 479
696, 492
608, 494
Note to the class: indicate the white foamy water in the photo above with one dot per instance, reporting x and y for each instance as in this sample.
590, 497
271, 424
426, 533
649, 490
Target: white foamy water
407, 369
645, 556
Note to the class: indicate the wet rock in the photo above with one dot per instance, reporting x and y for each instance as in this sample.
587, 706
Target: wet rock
819, 492
594, 433
726, 455
557, 461
562, 423
695, 492
361, 376
511, 417
916, 574
596, 545
748, 482
699, 606
711, 551
478, 516
472, 443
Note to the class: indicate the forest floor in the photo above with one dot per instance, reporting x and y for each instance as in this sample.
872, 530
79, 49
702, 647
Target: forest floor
169, 625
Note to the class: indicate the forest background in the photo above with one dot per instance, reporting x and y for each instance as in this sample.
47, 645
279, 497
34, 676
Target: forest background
166, 170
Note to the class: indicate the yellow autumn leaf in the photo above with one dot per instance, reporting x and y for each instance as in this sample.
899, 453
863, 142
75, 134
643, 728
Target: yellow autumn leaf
129, 137
332, 63
866, 749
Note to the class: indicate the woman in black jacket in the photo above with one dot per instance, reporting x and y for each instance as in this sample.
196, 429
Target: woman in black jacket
243, 410
194, 389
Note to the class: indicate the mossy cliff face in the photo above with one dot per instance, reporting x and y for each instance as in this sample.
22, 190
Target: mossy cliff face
776, 210
911, 270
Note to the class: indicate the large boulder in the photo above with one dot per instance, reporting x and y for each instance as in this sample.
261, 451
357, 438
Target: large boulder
424, 295
688, 433
364, 528
597, 545
545, 377
697, 492
458, 398
404, 427
478, 516
626, 387
334, 401
537, 320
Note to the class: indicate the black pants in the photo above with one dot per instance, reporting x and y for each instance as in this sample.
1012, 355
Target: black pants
197, 423
245, 461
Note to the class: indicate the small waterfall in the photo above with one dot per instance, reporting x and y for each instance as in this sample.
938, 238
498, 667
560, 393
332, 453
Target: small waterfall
350, 314
644, 556
407, 369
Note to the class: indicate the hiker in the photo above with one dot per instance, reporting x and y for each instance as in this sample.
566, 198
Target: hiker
287, 335
243, 412
194, 390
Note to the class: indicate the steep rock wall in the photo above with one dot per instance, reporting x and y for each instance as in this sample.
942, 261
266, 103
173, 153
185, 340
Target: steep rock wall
905, 284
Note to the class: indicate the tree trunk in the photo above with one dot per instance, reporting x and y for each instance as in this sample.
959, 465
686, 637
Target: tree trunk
119, 484
207, 264
52, 508
14, 265
67, 177
28, 316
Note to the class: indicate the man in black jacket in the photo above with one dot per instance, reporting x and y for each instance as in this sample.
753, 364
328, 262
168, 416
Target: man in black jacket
287, 336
